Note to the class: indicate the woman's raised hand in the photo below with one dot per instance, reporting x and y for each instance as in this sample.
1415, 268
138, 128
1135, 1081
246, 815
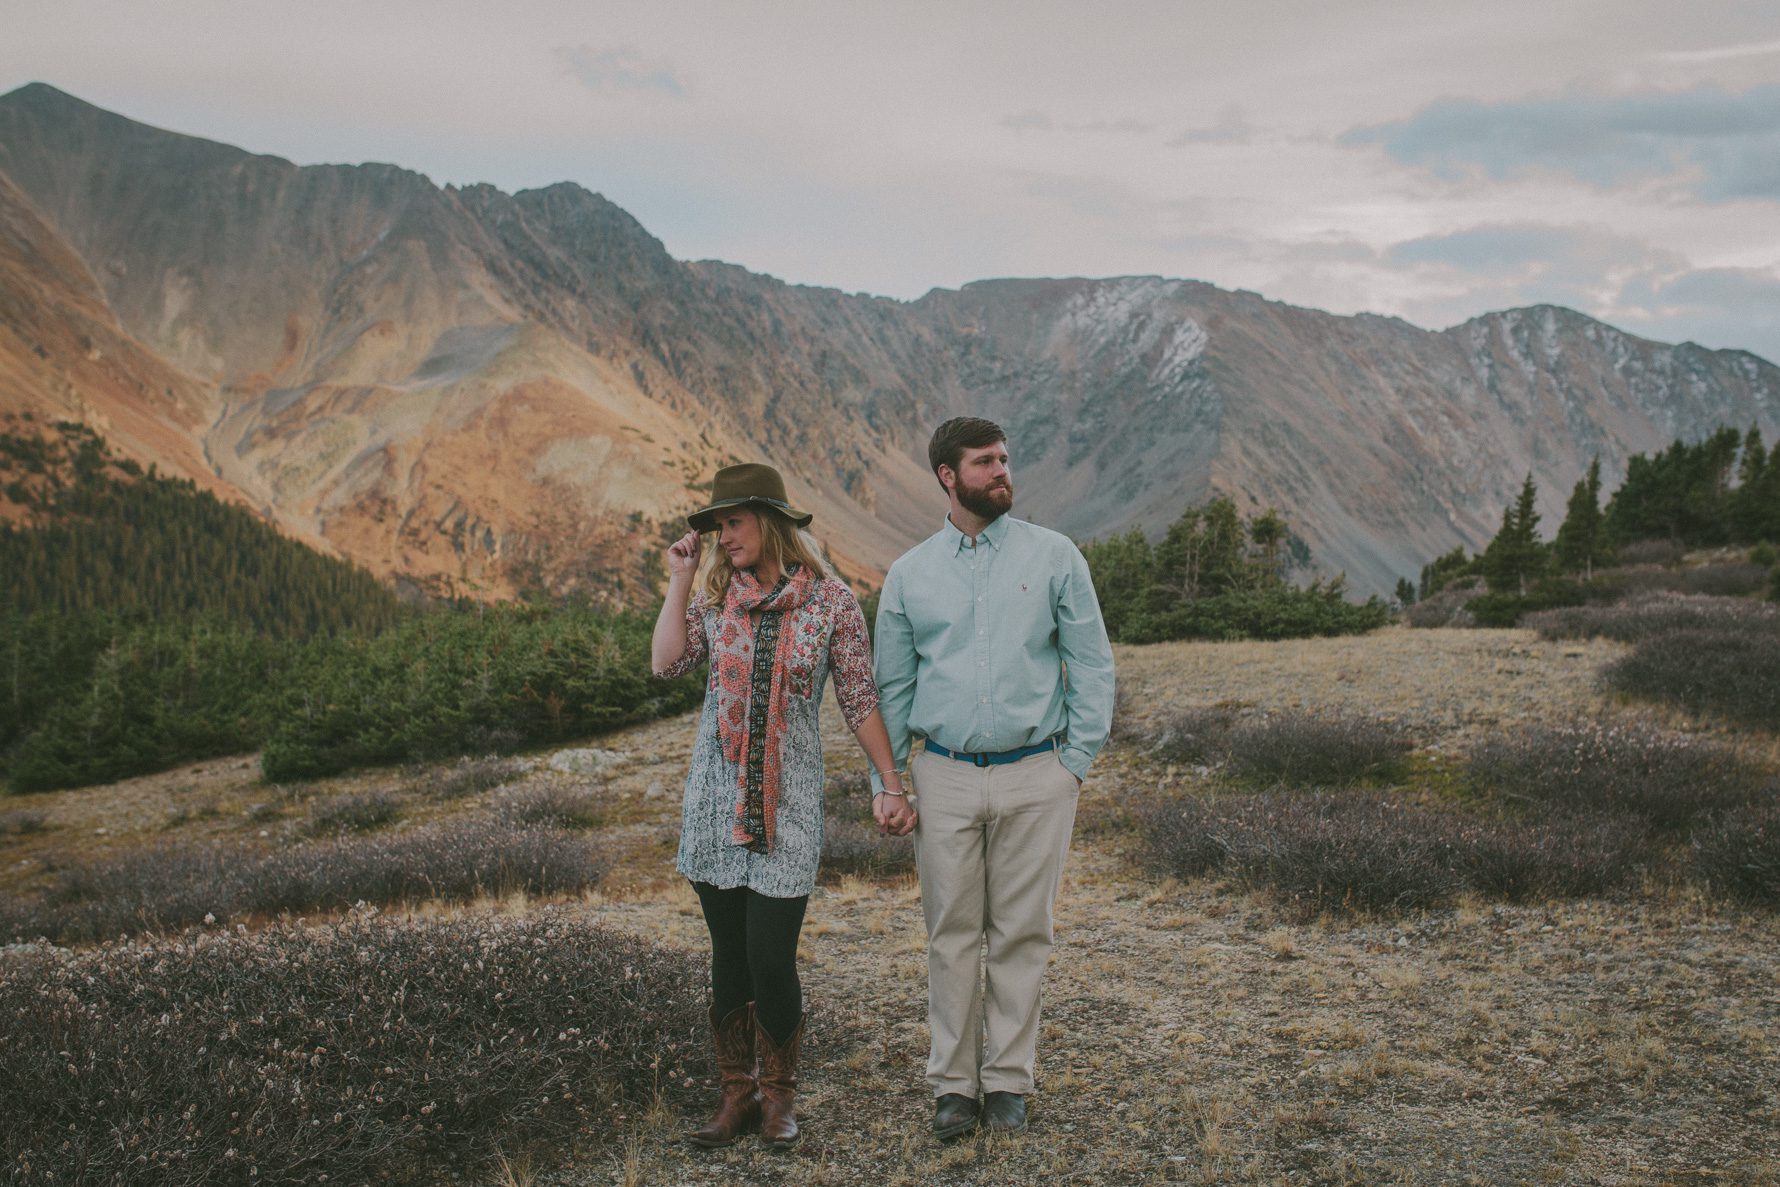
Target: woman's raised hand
682, 556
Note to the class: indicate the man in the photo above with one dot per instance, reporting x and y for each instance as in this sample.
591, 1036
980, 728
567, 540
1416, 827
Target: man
990, 645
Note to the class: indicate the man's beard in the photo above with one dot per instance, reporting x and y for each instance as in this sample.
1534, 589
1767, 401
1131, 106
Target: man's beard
987, 502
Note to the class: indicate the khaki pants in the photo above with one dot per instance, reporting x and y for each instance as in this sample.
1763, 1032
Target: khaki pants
989, 848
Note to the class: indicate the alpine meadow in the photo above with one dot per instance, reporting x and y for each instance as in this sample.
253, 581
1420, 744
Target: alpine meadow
1437, 839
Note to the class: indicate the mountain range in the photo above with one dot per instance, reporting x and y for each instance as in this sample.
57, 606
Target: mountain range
480, 393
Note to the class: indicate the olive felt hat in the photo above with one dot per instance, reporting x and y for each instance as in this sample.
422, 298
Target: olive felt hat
749, 483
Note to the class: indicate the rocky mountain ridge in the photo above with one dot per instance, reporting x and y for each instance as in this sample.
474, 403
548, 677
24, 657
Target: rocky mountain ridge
486, 393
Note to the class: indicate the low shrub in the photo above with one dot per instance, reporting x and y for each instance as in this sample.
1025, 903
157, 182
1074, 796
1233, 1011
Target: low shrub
1507, 609
261, 812
1626, 582
1734, 674
1666, 779
1372, 853
1283, 612
1726, 580
367, 1051
1638, 581
1765, 555
1195, 736
1553, 856
1324, 853
465, 777
22, 822
355, 812
1652, 552
208, 808
1729, 579
1124, 715
856, 847
171, 886
1655, 616
555, 807
847, 794
1737, 855
1445, 608
851, 842
1317, 749
1366, 856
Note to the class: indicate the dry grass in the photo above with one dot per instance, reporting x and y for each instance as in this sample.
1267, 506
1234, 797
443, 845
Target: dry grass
1195, 1032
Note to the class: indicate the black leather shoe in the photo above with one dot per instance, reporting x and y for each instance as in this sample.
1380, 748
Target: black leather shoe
1004, 1112
954, 1115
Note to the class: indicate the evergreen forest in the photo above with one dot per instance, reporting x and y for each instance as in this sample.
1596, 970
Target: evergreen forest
145, 623
1217, 575
1718, 492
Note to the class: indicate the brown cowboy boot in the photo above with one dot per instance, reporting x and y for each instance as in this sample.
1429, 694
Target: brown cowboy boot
738, 1109
778, 1087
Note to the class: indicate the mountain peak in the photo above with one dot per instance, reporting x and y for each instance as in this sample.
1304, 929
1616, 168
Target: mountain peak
42, 94
455, 384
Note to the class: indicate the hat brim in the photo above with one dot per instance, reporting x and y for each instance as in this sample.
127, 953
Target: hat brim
705, 519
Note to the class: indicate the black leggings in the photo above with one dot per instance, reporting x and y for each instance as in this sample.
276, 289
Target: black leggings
754, 954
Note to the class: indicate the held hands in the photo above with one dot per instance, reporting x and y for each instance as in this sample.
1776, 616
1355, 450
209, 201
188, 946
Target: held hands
682, 556
895, 815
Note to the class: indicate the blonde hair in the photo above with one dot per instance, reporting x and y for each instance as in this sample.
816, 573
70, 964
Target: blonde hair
781, 542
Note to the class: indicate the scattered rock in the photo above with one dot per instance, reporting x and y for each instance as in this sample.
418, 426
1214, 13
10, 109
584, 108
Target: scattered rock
586, 761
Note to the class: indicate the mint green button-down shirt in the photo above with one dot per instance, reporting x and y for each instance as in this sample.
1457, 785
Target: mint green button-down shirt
994, 647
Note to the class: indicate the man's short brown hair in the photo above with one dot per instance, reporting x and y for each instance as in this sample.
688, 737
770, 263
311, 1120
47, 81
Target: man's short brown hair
960, 433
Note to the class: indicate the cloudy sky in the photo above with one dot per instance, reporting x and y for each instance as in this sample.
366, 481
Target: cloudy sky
1432, 160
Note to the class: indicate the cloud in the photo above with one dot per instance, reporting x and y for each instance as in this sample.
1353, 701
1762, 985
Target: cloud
1531, 250
1711, 287
617, 70
1714, 306
1034, 120
1721, 145
1620, 279
1028, 121
1722, 53
1232, 127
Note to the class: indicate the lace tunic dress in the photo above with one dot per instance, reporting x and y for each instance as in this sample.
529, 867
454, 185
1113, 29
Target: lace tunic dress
828, 635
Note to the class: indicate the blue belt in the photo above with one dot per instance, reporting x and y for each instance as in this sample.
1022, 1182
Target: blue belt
992, 758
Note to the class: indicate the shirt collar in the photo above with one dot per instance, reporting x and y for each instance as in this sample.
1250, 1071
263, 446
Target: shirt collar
992, 535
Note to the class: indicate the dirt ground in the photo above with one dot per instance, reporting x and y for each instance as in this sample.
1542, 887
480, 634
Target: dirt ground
1194, 1033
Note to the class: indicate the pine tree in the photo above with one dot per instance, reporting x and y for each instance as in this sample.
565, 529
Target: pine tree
1747, 512
1268, 532
1443, 569
1516, 554
1580, 538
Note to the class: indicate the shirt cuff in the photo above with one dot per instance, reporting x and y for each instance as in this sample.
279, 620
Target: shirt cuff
1075, 760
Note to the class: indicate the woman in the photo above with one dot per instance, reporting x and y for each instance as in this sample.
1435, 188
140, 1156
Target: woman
773, 624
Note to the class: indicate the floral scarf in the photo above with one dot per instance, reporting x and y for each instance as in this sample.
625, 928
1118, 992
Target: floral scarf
751, 692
